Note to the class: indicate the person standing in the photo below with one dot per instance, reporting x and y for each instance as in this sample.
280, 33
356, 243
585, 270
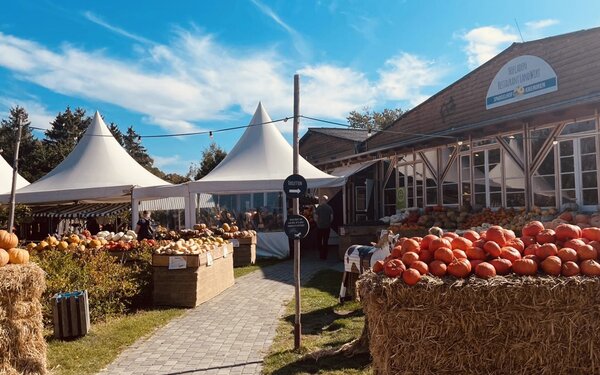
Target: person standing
144, 227
323, 217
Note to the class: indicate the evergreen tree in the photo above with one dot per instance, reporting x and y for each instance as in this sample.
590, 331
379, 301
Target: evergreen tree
211, 157
132, 142
117, 133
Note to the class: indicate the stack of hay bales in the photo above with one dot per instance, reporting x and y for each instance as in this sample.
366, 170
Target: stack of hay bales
504, 325
22, 345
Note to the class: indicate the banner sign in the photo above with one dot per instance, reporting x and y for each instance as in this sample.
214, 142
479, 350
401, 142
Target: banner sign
401, 198
521, 78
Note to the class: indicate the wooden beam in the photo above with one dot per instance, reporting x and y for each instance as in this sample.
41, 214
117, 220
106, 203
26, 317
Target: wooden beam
511, 152
546, 147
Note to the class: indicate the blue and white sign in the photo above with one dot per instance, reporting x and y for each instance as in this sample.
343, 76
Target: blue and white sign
521, 78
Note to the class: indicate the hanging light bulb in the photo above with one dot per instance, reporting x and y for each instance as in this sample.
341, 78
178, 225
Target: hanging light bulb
210, 134
554, 143
368, 130
460, 143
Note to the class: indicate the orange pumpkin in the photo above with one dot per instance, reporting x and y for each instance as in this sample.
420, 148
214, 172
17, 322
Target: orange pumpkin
485, 270
532, 228
396, 252
426, 241
410, 245
532, 257
479, 243
471, 235
546, 250
510, 253
378, 266
420, 266
582, 218
426, 256
517, 244
573, 243
525, 267
509, 235
497, 234
459, 268
592, 234
492, 248
439, 242
18, 256
444, 254
475, 263
590, 268
411, 276
450, 235
459, 254
546, 236
567, 254
569, 269
529, 240
502, 266
566, 216
552, 265
586, 252
461, 243
566, 232
530, 250
476, 253
4, 258
394, 268
438, 268
8, 240
410, 257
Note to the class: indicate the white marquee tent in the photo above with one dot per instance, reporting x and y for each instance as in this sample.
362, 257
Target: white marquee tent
260, 162
6, 174
97, 170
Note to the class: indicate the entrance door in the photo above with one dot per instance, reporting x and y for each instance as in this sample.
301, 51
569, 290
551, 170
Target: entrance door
578, 172
411, 180
487, 178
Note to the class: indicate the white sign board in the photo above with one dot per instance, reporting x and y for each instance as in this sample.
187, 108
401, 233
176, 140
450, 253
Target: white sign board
521, 78
177, 263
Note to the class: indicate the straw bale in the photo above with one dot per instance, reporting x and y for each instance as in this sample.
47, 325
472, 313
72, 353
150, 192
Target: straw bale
504, 325
23, 282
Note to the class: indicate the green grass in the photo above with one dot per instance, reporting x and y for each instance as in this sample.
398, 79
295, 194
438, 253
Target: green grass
93, 352
260, 263
325, 325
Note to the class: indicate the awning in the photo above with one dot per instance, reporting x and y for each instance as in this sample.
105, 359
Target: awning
82, 210
348, 170
173, 203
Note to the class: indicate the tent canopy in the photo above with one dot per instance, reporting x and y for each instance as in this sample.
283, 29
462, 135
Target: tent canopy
6, 173
97, 170
260, 161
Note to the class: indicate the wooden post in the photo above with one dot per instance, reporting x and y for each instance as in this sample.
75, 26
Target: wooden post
296, 211
11, 215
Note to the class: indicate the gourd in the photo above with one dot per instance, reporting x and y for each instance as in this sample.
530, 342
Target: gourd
8, 240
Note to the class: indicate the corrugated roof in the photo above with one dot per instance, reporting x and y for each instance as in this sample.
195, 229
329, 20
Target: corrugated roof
357, 135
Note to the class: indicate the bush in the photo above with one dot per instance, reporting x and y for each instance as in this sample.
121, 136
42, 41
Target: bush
112, 284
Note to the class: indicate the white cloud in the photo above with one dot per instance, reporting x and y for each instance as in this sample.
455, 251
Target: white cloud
541, 24
170, 161
485, 42
39, 116
99, 21
405, 76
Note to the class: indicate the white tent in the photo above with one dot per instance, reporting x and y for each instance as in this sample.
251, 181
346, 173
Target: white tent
97, 170
6, 174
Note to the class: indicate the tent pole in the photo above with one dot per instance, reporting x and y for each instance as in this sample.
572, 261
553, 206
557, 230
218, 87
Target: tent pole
13, 190
296, 211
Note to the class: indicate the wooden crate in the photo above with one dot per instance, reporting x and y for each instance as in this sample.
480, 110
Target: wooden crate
247, 241
196, 260
191, 286
71, 314
244, 255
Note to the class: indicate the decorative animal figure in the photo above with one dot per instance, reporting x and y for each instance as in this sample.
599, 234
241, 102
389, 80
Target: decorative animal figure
359, 258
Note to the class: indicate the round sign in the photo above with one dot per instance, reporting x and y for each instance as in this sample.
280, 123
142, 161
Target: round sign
296, 227
294, 186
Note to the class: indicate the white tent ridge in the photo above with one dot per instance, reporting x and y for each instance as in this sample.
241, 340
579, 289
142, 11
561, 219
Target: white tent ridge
6, 175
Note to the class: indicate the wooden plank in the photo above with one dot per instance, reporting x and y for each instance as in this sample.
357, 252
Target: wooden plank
71, 303
65, 327
56, 318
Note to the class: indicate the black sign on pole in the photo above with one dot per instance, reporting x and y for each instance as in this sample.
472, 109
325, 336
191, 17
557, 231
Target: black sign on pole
296, 227
294, 186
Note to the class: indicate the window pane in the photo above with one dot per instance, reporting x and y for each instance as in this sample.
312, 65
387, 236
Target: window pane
515, 200
567, 164
245, 202
495, 199
479, 186
512, 170
547, 166
567, 181
589, 179
478, 159
568, 196
480, 199
544, 199
566, 148
494, 156
543, 183
450, 193
588, 162
588, 145
537, 140
258, 200
590, 197
577, 127
431, 196
465, 161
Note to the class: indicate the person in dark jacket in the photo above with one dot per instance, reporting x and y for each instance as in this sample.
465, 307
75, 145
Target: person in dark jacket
145, 227
323, 217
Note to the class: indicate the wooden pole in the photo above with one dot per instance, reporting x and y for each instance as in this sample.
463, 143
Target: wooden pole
11, 216
296, 211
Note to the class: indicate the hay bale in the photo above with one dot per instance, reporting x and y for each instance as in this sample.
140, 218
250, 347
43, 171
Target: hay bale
22, 344
505, 325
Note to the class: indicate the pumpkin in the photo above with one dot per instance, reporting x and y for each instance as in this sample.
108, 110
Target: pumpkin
497, 234
471, 235
479, 243
502, 266
411, 276
450, 235
396, 252
531, 249
567, 254
410, 245
590, 268
439, 242
586, 252
552, 265
566, 232
509, 235
517, 244
569, 269
476, 253
18, 256
573, 243
546, 250
420, 266
528, 240
492, 248
594, 244
566, 216
533, 257
592, 234
409, 258
444, 254
459, 268
475, 263
378, 266
394, 268
426, 256
510, 253
485, 270
461, 243
426, 241
438, 268
4, 258
459, 254
525, 267
8, 240
532, 228
582, 218
546, 236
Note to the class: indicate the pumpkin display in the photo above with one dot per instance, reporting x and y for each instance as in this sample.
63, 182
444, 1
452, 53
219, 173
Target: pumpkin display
546, 236
471, 235
586, 252
492, 248
439, 242
552, 265
444, 254
532, 228
420, 266
461, 243
502, 266
570, 268
510, 253
378, 266
592, 234
426, 241
426, 256
590, 267
460, 268
438, 268
4, 257
496, 234
459, 254
546, 250
525, 267
411, 276
8, 240
394, 268
485, 270
410, 245
409, 257
567, 254
18, 256
566, 232
476, 253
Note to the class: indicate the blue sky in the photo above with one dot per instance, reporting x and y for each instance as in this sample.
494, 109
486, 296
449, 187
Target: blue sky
182, 66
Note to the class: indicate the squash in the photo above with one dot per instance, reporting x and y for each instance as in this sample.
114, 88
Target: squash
394, 268
420, 266
378, 266
438, 268
471, 235
570, 269
532, 228
439, 242
426, 241
497, 234
459, 268
566, 232
590, 268
546, 236
567, 254
410, 257
502, 266
525, 267
475, 263
4, 258
476, 253
485, 270
586, 252
459, 254
411, 276
510, 253
18, 256
425, 256
492, 248
461, 243
410, 245
8, 240
592, 234
552, 265
546, 250
444, 254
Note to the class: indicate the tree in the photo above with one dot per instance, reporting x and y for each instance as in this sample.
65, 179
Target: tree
132, 143
211, 157
66, 130
29, 148
373, 119
117, 133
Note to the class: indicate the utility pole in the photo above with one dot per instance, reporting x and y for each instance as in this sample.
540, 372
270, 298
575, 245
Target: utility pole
296, 211
11, 216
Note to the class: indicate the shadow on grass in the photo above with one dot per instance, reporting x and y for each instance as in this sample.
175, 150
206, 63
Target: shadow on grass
333, 363
324, 319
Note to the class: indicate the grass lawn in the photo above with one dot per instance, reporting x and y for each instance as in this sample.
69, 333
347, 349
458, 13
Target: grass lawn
91, 353
325, 324
260, 263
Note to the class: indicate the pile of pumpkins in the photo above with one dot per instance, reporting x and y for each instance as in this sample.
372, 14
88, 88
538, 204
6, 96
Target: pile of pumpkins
567, 250
9, 253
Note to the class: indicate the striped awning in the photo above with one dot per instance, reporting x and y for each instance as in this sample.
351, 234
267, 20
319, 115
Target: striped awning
172, 203
82, 210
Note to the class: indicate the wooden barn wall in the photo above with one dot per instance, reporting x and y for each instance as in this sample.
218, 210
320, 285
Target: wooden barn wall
320, 148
